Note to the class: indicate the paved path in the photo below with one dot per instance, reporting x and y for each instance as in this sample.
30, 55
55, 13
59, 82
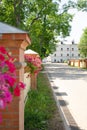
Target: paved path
70, 88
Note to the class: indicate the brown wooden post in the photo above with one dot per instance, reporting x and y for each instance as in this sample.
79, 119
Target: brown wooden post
33, 81
16, 41
78, 63
86, 62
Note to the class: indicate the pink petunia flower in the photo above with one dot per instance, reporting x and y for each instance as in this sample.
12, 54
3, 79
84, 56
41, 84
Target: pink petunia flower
11, 66
21, 85
8, 83
2, 106
8, 97
3, 50
17, 91
11, 80
2, 57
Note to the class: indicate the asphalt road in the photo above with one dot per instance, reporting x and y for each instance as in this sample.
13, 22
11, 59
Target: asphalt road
69, 86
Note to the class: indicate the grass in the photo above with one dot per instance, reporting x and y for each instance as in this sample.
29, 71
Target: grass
40, 105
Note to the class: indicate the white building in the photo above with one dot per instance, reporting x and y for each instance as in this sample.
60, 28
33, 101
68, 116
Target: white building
65, 52
47, 59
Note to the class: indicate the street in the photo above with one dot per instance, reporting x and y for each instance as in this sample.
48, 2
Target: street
69, 86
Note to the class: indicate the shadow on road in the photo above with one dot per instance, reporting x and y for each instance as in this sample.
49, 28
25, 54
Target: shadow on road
65, 72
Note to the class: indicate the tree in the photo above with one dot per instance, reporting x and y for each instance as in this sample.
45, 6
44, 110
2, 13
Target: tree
83, 44
11, 12
82, 5
44, 23
44, 20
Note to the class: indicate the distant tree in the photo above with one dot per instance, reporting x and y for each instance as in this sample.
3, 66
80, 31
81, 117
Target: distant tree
82, 5
83, 44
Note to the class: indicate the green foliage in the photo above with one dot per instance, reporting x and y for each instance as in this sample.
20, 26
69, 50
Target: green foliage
83, 44
45, 23
40, 105
11, 12
82, 5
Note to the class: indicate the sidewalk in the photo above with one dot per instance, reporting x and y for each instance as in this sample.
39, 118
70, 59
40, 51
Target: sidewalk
71, 96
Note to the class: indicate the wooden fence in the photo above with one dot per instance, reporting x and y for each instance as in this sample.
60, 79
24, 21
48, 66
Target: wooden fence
81, 63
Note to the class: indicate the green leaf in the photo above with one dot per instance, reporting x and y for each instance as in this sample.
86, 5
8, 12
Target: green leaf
5, 69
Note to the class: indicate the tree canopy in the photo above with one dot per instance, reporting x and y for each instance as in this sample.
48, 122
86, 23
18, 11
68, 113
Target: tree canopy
83, 44
44, 20
12, 12
82, 5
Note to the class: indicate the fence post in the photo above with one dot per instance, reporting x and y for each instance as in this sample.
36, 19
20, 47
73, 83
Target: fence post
16, 41
33, 77
33, 81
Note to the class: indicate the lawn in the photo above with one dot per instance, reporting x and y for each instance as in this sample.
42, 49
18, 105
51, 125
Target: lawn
41, 112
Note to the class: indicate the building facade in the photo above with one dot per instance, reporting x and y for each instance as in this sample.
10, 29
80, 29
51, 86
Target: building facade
64, 52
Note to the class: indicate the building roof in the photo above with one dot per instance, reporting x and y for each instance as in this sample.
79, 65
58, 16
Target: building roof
29, 51
5, 28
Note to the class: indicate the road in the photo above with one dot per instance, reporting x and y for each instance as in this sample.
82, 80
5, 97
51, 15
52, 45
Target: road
69, 86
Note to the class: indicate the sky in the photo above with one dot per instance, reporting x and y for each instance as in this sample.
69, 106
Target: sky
78, 24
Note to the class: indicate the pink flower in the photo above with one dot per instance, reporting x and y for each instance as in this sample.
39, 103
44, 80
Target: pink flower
2, 57
2, 80
3, 50
8, 97
17, 91
34, 63
21, 85
11, 80
8, 83
11, 66
2, 104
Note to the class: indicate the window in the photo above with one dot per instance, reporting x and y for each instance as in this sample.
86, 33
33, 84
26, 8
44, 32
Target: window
54, 60
73, 42
61, 42
72, 55
61, 54
67, 49
72, 49
55, 55
61, 60
61, 49
79, 55
67, 54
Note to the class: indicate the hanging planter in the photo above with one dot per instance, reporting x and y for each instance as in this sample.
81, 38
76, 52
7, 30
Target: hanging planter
9, 86
33, 67
33, 64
